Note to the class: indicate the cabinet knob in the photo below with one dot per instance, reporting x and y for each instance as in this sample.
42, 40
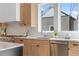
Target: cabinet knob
21, 40
37, 45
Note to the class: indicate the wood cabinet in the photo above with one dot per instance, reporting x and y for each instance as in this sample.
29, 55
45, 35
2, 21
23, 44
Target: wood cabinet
28, 14
26, 47
74, 48
3, 28
40, 48
3, 25
35, 47
58, 48
54, 50
19, 41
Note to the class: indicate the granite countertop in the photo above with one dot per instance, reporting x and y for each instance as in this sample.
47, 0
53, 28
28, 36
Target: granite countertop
9, 45
44, 38
63, 39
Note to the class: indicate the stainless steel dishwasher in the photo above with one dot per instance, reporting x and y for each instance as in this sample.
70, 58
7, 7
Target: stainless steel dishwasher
59, 48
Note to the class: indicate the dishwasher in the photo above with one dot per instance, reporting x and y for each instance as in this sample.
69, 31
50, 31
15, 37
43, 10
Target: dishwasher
59, 48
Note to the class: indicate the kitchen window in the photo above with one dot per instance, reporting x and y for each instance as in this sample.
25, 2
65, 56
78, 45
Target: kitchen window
45, 16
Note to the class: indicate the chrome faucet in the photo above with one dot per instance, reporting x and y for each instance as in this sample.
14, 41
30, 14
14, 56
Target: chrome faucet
67, 36
27, 33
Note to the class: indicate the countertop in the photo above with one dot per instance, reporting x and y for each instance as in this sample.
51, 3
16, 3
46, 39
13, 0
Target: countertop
63, 39
43, 38
9, 45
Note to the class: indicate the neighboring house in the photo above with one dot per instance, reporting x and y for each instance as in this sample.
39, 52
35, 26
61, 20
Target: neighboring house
68, 23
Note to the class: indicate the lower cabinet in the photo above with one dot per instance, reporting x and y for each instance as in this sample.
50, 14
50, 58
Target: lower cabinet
73, 48
27, 47
59, 48
35, 47
53, 50
40, 48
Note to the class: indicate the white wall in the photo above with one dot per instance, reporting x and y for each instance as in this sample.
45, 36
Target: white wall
15, 28
7, 12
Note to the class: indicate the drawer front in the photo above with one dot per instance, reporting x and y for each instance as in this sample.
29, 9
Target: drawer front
19, 41
74, 45
58, 42
43, 42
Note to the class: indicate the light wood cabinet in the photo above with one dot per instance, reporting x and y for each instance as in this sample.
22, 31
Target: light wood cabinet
3, 25
19, 41
26, 47
58, 48
40, 48
28, 14
74, 48
54, 50
3, 28
33, 47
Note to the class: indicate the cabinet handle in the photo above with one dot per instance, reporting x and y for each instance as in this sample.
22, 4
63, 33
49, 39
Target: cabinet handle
21, 40
76, 44
37, 45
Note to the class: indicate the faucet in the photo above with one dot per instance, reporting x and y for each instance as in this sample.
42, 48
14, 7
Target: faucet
67, 36
27, 33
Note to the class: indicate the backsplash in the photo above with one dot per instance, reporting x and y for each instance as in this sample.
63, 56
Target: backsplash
15, 28
72, 34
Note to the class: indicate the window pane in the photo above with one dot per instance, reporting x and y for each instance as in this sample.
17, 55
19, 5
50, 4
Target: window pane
47, 13
69, 17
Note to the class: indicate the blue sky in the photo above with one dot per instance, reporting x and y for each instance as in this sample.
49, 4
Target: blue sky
66, 7
70, 8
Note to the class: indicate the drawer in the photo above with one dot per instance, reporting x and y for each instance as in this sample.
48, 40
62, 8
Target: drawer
19, 40
74, 45
58, 42
43, 42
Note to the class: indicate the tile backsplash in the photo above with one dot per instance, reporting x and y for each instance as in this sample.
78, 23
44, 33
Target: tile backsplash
15, 28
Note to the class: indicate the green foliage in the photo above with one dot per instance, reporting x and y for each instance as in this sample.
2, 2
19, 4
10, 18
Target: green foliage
54, 34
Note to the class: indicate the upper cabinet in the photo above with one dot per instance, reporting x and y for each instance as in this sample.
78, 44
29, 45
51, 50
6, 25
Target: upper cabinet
28, 13
25, 13
7, 12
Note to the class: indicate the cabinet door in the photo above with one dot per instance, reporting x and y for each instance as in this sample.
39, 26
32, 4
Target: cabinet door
40, 47
34, 50
74, 52
27, 47
74, 48
22, 13
26, 50
28, 14
44, 50
59, 48
54, 50
40, 50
